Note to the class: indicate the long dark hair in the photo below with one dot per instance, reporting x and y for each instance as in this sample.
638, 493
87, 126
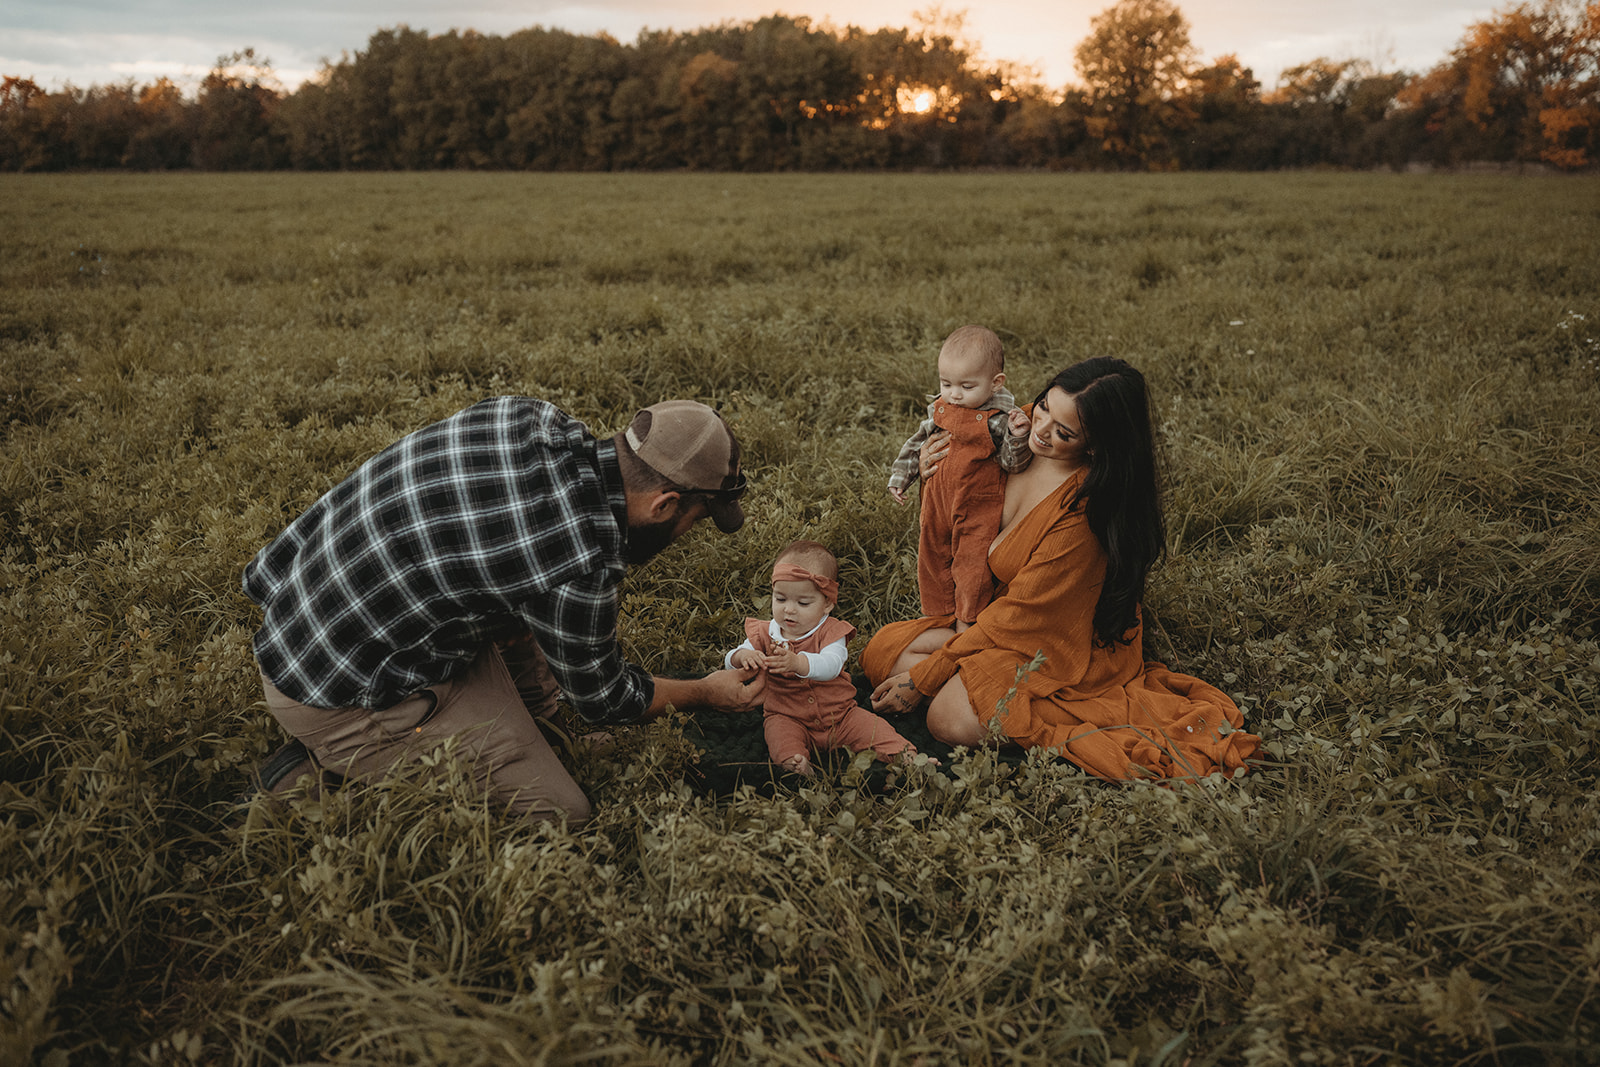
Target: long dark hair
1122, 492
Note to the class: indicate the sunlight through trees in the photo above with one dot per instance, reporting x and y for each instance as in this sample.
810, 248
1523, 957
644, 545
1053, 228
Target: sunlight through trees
786, 93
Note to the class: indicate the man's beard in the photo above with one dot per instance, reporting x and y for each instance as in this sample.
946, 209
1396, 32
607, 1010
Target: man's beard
645, 542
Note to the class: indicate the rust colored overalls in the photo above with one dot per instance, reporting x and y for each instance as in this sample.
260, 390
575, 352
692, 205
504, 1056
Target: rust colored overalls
961, 507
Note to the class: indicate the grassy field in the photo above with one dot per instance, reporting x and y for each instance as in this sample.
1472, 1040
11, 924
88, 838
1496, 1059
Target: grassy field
1379, 404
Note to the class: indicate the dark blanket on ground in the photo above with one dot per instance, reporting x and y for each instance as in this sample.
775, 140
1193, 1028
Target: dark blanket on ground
734, 748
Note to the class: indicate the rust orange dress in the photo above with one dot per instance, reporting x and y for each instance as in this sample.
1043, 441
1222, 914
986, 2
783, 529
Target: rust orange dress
1105, 709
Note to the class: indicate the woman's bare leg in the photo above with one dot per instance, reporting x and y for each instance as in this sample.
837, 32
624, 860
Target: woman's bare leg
930, 641
922, 646
951, 718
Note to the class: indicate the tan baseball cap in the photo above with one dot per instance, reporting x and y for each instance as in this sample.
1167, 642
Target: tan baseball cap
688, 444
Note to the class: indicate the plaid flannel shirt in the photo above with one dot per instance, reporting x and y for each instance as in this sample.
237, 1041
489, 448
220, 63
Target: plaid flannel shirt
504, 518
1012, 452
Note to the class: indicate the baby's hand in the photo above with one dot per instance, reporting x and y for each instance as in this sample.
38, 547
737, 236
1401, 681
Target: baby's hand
898, 493
787, 662
746, 658
1019, 422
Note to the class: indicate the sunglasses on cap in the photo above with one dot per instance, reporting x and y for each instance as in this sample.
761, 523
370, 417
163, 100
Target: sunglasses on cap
731, 493
723, 504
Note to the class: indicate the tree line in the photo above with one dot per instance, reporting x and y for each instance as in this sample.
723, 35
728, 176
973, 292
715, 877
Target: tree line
783, 93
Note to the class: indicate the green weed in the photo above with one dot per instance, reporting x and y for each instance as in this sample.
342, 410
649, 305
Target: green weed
1379, 419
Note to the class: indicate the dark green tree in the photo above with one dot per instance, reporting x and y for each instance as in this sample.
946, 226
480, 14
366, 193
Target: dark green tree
32, 126
234, 113
163, 130
1136, 63
1225, 100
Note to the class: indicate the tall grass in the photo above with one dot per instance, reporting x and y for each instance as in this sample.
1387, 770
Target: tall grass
1378, 402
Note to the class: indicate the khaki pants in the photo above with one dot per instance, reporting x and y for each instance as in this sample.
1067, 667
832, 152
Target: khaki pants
491, 708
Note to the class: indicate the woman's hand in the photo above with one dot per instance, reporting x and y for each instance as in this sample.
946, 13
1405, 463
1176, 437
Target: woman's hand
896, 695
934, 449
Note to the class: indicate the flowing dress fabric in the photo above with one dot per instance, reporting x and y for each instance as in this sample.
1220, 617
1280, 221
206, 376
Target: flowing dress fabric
1105, 709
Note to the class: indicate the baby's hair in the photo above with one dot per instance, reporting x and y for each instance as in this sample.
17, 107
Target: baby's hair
980, 339
811, 555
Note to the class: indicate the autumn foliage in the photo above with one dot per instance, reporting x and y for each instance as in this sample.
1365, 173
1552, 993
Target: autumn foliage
786, 93
1524, 84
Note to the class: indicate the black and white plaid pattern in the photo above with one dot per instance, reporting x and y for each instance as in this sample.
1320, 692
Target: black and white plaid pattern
504, 518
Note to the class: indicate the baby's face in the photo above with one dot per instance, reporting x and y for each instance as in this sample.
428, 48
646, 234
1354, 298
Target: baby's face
967, 379
797, 607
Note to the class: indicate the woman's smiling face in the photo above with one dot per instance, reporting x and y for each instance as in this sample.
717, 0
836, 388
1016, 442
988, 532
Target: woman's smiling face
1056, 433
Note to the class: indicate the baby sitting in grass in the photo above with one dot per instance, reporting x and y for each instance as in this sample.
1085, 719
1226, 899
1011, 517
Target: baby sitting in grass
810, 701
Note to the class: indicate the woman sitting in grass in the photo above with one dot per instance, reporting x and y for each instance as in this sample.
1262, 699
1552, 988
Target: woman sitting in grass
1079, 531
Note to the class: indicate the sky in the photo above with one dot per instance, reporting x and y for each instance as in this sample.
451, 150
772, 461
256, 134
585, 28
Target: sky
99, 42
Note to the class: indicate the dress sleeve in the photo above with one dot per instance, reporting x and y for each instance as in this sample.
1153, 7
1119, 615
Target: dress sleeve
1049, 607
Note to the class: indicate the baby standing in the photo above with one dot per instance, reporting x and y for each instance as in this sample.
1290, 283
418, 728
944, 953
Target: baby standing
810, 701
961, 504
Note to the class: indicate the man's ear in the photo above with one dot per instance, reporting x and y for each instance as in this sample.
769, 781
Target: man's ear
663, 506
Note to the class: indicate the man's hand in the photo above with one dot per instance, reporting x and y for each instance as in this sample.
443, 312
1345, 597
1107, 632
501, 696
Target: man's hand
896, 695
732, 690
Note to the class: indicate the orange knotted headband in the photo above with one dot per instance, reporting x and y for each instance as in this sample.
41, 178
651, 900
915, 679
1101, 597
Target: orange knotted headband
788, 572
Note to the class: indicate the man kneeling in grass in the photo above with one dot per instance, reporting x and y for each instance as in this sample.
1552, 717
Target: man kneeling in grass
461, 578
